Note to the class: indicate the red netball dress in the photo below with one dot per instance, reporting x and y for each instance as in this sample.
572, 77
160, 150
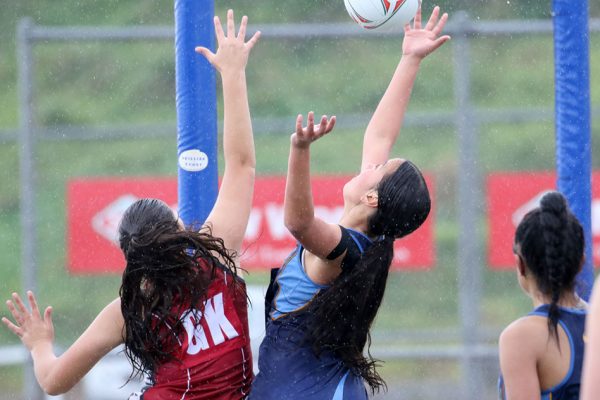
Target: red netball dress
213, 359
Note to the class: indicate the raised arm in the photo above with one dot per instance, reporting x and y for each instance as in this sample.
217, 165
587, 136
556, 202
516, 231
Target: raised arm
590, 386
317, 236
229, 217
384, 127
58, 375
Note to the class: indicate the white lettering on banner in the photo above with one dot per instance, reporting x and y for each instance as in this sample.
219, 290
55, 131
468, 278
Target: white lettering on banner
195, 332
534, 202
214, 315
254, 224
329, 214
401, 254
217, 321
274, 214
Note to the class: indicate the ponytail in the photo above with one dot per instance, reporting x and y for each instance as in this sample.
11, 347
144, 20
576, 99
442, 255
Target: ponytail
341, 322
552, 245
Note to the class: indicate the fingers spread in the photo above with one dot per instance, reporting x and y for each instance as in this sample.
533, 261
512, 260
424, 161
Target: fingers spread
19, 303
440, 41
433, 19
310, 126
242, 33
230, 24
299, 124
440, 25
418, 17
13, 328
330, 124
323, 125
253, 40
15, 313
209, 55
218, 29
48, 316
35, 311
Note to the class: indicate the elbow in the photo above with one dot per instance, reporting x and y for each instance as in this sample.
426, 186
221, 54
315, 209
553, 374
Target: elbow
247, 162
52, 389
295, 226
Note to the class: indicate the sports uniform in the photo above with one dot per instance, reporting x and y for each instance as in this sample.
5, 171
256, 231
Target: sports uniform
288, 367
572, 321
213, 360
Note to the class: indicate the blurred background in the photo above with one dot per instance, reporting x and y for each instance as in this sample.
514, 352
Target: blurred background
108, 109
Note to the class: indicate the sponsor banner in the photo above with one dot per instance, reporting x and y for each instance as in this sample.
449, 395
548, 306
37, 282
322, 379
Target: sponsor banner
94, 210
95, 207
512, 195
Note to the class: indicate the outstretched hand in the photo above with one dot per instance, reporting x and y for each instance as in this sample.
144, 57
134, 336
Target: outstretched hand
233, 51
29, 326
420, 42
303, 137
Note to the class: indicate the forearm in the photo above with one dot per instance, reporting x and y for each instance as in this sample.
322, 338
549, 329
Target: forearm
238, 143
387, 119
44, 364
298, 203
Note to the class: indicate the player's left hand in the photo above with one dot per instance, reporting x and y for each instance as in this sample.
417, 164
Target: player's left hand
29, 326
233, 50
303, 137
419, 41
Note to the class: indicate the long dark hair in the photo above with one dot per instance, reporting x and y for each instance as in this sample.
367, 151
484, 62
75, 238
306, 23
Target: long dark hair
169, 269
551, 242
341, 316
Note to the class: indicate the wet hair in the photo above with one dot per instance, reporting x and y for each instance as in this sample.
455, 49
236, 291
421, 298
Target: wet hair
168, 270
342, 315
551, 242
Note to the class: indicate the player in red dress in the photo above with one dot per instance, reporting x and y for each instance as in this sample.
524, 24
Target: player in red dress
181, 310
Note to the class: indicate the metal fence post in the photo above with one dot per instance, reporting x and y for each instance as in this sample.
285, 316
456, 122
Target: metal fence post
27, 180
469, 212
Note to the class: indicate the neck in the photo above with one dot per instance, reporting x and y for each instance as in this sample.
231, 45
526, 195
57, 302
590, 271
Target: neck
567, 299
356, 217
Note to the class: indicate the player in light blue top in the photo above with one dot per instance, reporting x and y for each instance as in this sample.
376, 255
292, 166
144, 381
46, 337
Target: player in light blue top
323, 300
541, 354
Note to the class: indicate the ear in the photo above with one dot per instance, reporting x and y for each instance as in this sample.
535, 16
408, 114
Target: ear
521, 266
370, 199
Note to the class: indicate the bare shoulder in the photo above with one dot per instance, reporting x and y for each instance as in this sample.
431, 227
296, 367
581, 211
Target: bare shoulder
528, 334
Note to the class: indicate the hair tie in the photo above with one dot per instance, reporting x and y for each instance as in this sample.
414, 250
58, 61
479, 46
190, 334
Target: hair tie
385, 238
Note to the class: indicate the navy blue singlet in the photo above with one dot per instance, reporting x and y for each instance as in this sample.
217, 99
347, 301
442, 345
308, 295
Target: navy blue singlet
572, 320
288, 368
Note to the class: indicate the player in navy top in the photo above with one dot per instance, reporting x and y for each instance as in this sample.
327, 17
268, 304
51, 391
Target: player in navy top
541, 354
323, 300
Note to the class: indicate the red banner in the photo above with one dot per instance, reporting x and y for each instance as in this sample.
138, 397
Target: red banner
95, 207
510, 196
94, 210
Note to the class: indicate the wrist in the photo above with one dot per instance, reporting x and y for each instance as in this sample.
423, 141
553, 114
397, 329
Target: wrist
300, 146
41, 349
232, 74
411, 59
